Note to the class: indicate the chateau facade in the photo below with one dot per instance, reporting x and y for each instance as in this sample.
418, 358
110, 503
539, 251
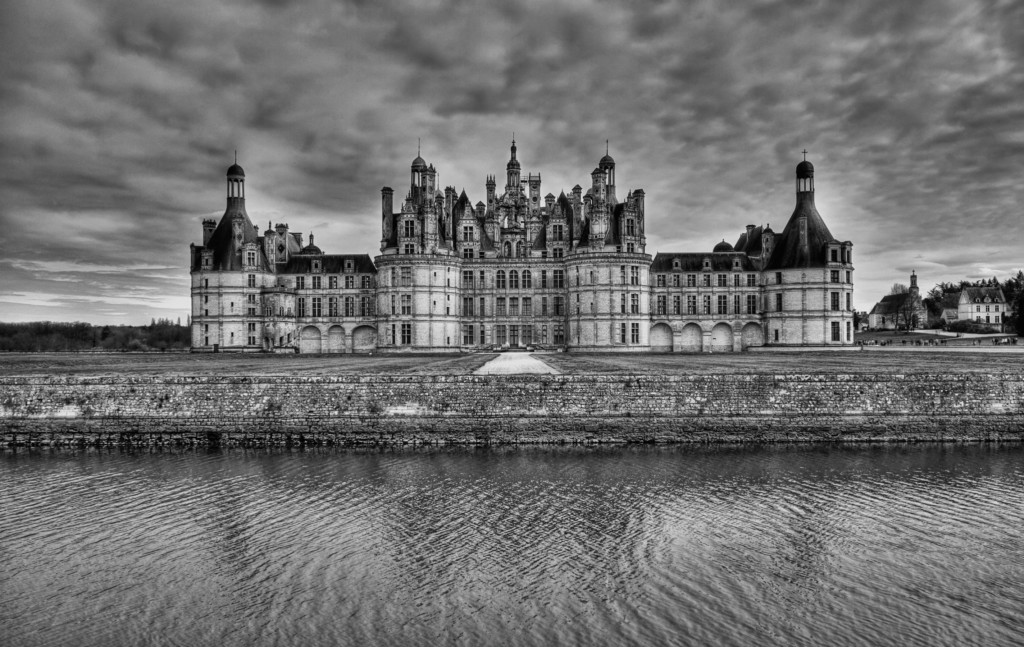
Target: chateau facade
518, 270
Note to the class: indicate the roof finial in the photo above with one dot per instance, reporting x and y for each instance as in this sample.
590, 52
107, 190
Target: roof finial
236, 156
805, 154
417, 147
606, 147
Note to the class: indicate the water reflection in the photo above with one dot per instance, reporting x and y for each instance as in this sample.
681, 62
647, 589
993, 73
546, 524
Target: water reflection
725, 545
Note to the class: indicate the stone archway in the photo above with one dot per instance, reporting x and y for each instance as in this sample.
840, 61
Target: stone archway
691, 339
721, 338
661, 338
364, 339
310, 340
752, 335
335, 339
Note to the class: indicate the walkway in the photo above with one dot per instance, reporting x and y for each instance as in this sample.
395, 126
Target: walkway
514, 363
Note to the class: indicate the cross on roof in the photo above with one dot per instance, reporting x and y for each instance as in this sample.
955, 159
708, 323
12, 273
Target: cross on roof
805, 154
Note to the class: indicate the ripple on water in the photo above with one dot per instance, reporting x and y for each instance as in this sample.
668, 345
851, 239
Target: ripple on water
526, 546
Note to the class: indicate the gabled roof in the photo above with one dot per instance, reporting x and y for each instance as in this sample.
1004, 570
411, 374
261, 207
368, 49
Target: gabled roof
225, 247
787, 251
890, 304
694, 262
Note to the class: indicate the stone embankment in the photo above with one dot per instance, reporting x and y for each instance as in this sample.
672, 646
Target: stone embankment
485, 409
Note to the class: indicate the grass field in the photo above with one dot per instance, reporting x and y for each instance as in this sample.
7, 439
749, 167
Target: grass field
875, 361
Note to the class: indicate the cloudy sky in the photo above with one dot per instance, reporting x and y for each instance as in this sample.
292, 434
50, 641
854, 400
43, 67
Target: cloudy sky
119, 120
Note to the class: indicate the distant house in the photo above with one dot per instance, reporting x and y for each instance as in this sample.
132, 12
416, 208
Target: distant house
950, 306
899, 311
982, 305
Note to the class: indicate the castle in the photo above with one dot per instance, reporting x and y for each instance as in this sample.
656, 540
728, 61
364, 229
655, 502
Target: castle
518, 270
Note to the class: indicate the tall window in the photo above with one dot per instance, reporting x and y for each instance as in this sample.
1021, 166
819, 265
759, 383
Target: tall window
660, 280
835, 300
723, 280
675, 280
833, 276
467, 252
332, 307
691, 280
849, 303
558, 333
676, 304
634, 304
557, 252
499, 306
350, 282
634, 275
622, 303
736, 304
849, 331
409, 228
317, 282
543, 279
350, 306
407, 304
365, 306
707, 304
467, 278
513, 279
467, 306
723, 304
622, 333
630, 227
751, 280
300, 283
252, 280
751, 304
559, 306
406, 333
501, 335
365, 283
316, 307
527, 306
691, 304
467, 335
250, 258
661, 304
467, 233
543, 305
300, 307
406, 276
622, 274
778, 302
557, 233
634, 333
835, 331
558, 277
499, 279
483, 309
410, 248
527, 279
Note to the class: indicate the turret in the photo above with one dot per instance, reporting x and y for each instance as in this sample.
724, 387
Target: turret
387, 195
607, 164
490, 190
209, 225
512, 169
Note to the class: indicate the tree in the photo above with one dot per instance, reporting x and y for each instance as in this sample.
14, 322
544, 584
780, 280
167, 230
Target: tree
899, 288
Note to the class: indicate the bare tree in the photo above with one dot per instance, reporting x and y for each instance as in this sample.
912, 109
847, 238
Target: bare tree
899, 288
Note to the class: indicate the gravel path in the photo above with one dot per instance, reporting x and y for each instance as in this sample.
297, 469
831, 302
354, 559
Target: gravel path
513, 363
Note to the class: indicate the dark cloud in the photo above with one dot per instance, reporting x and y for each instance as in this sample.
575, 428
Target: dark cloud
120, 118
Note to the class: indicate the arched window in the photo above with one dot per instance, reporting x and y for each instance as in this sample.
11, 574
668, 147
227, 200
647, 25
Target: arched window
513, 279
527, 279
508, 249
499, 279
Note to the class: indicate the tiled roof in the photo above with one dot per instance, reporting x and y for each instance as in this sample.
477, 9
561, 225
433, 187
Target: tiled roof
694, 262
788, 252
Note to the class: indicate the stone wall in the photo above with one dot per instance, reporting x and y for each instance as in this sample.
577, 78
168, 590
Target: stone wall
504, 409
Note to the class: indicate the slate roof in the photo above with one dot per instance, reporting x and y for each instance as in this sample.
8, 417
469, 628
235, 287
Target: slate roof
331, 263
787, 252
995, 295
694, 262
226, 250
890, 304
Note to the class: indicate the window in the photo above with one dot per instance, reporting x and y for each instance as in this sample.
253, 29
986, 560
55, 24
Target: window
350, 282
559, 306
252, 280
300, 307
407, 304
317, 282
350, 306
849, 277
527, 306
499, 307
558, 278
558, 333
467, 252
467, 335
557, 252
467, 234
849, 302
691, 280
634, 275
834, 257
723, 304
543, 305
849, 331
630, 227
622, 303
676, 304
751, 304
332, 307
316, 307
736, 280
634, 304
723, 280
467, 278
501, 336
527, 279
661, 304
406, 276
675, 280
410, 248
691, 304
557, 233
349, 265
707, 304
250, 258
483, 336
251, 298
751, 280
543, 278
365, 306
483, 307
634, 333
778, 302
835, 301
513, 280
300, 283
406, 333
778, 278
409, 228
467, 306
833, 276
736, 304
630, 248
365, 283
835, 331
622, 333
707, 280
661, 280
513, 307
499, 279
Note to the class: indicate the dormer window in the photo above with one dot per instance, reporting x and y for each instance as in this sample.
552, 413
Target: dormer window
316, 266
707, 263
834, 255
675, 264
349, 265
250, 258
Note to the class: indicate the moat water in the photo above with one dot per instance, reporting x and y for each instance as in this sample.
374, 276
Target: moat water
792, 545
